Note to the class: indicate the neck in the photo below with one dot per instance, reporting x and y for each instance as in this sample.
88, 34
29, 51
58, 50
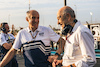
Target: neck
32, 29
4, 32
72, 23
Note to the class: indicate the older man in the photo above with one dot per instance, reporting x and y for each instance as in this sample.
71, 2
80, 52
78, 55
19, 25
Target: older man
35, 40
79, 47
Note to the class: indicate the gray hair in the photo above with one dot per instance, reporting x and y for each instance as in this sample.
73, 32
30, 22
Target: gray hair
70, 11
27, 14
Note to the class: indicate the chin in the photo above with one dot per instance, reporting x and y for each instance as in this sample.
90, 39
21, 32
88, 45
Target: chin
8, 31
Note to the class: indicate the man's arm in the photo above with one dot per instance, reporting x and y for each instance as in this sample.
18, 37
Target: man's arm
3, 42
56, 62
8, 57
7, 45
61, 43
86, 44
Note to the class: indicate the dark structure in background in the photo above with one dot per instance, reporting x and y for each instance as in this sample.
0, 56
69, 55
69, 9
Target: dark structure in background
65, 2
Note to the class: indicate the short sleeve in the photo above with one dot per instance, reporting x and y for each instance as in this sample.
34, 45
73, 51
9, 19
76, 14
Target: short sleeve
2, 40
17, 44
53, 36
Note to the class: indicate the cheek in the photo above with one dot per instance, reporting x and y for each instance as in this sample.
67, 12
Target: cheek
59, 21
63, 26
37, 24
30, 21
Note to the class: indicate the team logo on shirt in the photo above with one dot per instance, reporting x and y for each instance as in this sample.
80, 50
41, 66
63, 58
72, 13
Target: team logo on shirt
41, 34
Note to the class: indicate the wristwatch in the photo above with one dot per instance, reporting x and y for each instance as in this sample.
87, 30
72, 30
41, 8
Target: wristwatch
57, 54
72, 65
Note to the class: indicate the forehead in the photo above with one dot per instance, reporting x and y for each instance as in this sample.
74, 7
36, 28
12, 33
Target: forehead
59, 13
34, 13
6, 25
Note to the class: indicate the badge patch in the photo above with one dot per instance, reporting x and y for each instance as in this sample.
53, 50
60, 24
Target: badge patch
41, 34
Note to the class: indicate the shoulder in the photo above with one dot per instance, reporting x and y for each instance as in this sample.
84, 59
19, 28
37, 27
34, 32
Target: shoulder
11, 35
22, 31
1, 35
44, 28
82, 28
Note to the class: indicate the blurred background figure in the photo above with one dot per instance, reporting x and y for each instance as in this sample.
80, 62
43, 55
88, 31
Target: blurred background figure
6, 42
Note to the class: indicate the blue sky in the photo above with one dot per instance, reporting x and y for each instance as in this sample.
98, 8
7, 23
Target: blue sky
14, 11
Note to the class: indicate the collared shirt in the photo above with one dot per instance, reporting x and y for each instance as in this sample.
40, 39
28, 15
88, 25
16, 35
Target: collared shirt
5, 38
79, 47
45, 34
36, 45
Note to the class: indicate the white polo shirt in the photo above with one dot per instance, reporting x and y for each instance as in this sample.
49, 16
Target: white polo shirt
45, 34
79, 47
4, 37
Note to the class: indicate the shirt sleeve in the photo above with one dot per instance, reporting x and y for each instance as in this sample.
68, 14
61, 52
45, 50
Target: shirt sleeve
2, 40
86, 42
17, 44
53, 36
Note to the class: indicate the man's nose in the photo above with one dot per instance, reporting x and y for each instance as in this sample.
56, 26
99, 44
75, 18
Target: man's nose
58, 22
36, 20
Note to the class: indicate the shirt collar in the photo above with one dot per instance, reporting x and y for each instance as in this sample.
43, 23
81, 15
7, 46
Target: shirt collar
38, 29
76, 26
4, 33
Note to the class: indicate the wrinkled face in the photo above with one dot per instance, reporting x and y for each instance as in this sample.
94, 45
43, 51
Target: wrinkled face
33, 19
61, 19
7, 27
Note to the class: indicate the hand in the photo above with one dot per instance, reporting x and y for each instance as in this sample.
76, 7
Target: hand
53, 64
65, 66
51, 58
56, 62
73, 65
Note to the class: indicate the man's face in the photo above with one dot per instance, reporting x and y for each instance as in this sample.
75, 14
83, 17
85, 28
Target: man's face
7, 27
33, 20
61, 19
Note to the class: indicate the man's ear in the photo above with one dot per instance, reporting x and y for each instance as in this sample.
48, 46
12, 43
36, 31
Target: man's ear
26, 19
69, 17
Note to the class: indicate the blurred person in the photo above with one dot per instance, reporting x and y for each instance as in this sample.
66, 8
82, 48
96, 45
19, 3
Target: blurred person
35, 40
6, 42
79, 47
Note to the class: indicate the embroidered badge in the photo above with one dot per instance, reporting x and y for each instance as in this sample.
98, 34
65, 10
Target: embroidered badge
41, 34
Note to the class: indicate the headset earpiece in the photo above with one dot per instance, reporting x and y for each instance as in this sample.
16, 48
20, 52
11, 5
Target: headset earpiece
3, 27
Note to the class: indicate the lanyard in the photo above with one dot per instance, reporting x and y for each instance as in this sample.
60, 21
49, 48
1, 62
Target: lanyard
69, 35
35, 35
6, 36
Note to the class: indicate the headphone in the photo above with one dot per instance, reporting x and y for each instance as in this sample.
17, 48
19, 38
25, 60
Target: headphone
68, 28
3, 26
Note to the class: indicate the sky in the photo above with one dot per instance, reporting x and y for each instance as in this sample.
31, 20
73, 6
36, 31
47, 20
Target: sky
14, 11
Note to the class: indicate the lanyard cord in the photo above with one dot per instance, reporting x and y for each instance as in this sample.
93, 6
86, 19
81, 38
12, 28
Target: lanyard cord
35, 35
5, 36
69, 35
